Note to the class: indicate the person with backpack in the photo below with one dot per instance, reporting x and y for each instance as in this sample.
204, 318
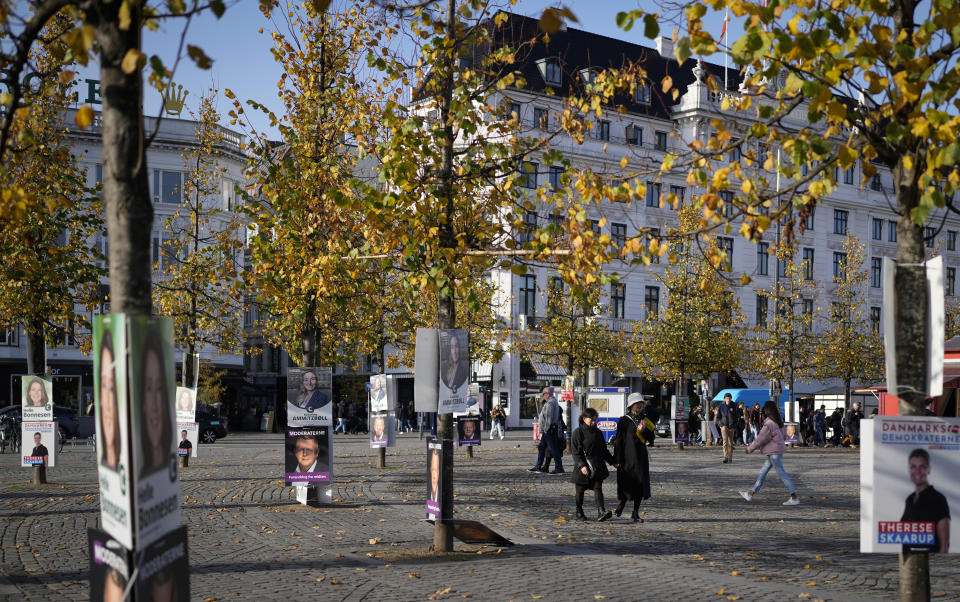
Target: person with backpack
590, 459
770, 442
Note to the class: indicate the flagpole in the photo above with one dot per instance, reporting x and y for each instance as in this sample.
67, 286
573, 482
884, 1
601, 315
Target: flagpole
726, 53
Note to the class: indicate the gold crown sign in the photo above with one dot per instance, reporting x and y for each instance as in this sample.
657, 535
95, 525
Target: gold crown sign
173, 99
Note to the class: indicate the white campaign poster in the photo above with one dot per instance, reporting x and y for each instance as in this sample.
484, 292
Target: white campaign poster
382, 393
186, 404
188, 438
37, 399
454, 371
153, 440
39, 444
910, 484
309, 391
112, 410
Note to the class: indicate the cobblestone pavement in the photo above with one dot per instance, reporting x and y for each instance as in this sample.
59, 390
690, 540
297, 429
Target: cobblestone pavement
249, 540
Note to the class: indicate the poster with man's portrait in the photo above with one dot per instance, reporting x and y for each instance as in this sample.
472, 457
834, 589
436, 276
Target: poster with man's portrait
154, 440
681, 433
164, 574
111, 410
468, 431
188, 439
434, 478
791, 433
38, 444
186, 404
382, 429
109, 567
454, 370
909, 485
307, 458
309, 391
37, 399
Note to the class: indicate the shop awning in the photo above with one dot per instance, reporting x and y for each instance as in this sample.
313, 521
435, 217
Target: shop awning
545, 370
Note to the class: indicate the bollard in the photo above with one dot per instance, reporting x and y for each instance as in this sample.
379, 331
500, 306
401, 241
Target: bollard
185, 461
39, 474
469, 451
381, 457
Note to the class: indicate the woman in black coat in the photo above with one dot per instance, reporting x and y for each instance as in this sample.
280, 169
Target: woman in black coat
590, 458
630, 458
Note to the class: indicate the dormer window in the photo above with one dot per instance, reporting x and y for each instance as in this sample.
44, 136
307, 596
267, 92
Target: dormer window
634, 135
641, 94
587, 76
550, 71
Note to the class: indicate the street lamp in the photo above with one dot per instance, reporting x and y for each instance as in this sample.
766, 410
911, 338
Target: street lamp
503, 379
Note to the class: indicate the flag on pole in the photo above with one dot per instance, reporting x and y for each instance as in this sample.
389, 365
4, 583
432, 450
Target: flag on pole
723, 32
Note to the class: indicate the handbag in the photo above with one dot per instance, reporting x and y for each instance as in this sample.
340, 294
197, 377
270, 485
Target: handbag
590, 470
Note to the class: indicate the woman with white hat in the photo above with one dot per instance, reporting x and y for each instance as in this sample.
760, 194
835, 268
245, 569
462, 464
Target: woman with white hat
630, 457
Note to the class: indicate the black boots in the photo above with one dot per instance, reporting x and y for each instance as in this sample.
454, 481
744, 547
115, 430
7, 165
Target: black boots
620, 506
581, 515
603, 515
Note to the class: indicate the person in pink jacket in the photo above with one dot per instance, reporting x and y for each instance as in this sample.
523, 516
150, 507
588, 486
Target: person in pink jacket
770, 443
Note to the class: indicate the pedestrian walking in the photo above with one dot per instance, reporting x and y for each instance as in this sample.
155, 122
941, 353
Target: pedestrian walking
727, 421
631, 459
820, 425
497, 415
590, 459
549, 424
741, 434
770, 443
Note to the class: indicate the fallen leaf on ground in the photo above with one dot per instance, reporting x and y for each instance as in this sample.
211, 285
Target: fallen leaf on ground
439, 593
720, 592
334, 582
734, 572
413, 575
321, 579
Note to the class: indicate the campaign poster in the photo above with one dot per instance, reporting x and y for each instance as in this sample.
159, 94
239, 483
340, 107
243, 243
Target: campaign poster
909, 485
468, 431
154, 438
382, 393
188, 439
186, 404
163, 570
791, 433
112, 419
681, 432
37, 398
382, 429
39, 444
454, 371
307, 458
681, 408
109, 567
566, 389
434, 478
309, 391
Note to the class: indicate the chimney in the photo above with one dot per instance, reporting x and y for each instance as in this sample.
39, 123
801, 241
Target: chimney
665, 47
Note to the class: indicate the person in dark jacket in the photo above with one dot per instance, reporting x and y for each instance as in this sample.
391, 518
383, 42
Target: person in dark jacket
727, 421
590, 458
630, 458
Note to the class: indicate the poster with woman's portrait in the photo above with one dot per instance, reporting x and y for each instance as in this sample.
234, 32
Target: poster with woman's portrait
111, 412
309, 391
109, 567
37, 396
454, 370
164, 574
434, 478
307, 459
909, 490
381, 393
382, 429
186, 404
468, 431
154, 440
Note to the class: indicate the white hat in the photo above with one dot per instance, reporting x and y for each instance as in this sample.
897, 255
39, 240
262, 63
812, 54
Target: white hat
634, 398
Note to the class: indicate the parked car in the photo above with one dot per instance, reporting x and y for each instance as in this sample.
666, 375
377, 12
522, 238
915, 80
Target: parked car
663, 428
210, 427
66, 418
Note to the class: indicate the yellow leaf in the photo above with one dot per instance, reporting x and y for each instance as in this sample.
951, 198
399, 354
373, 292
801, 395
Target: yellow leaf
124, 17
5, 99
810, 584
733, 597
720, 592
738, 572
84, 116
667, 83
131, 60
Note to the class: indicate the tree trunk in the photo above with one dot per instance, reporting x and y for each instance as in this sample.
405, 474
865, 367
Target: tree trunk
310, 339
36, 347
126, 195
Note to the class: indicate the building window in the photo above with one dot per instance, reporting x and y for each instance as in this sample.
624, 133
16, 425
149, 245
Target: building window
840, 221
875, 272
951, 240
528, 175
678, 191
550, 71
891, 231
8, 337
810, 217
728, 208
529, 226
163, 251
929, 235
763, 258
660, 141
839, 265
603, 130
877, 232
807, 310
781, 268
653, 194
556, 173
653, 234
651, 300
641, 93
634, 135
618, 300
595, 226
808, 263
733, 155
875, 319
761, 153
528, 292
762, 311
98, 174
554, 295
228, 189
725, 243
513, 110
848, 175
167, 186
875, 183
618, 234
541, 118
950, 279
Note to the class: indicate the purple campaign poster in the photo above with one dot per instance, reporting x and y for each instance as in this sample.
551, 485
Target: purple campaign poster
307, 455
434, 478
468, 430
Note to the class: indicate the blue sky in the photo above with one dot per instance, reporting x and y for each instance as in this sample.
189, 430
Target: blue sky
243, 63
